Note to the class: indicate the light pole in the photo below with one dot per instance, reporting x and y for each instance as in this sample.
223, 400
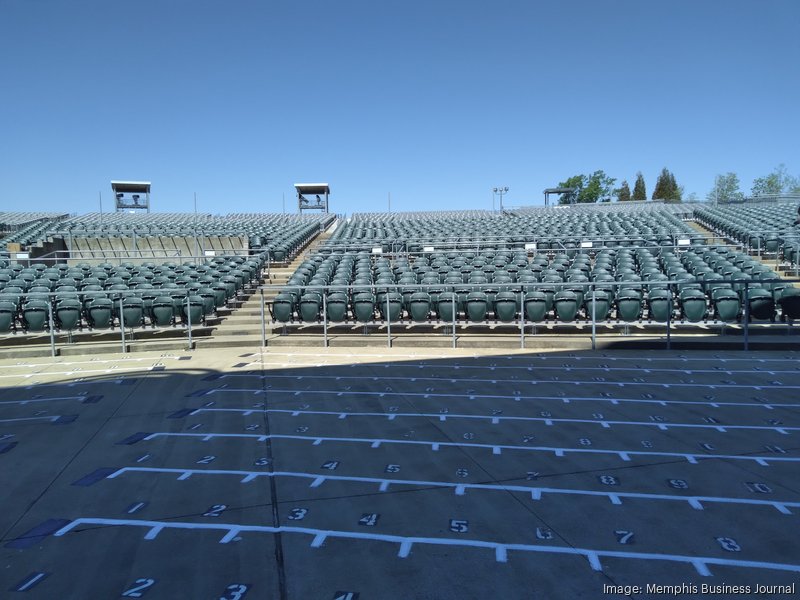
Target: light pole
500, 191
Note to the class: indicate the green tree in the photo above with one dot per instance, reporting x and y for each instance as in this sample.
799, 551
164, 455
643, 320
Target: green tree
623, 192
726, 189
639, 189
667, 189
598, 187
777, 182
590, 188
577, 182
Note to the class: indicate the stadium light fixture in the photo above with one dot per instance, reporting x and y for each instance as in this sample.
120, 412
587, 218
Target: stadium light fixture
500, 191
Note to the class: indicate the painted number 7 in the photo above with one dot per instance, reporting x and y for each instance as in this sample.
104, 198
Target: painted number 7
624, 537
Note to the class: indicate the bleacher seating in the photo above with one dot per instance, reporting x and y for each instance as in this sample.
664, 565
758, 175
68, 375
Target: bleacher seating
106, 295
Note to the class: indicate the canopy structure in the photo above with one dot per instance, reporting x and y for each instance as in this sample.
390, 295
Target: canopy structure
570, 193
312, 196
131, 195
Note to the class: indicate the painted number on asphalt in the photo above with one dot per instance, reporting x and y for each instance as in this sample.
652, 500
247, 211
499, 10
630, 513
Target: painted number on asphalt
235, 591
139, 587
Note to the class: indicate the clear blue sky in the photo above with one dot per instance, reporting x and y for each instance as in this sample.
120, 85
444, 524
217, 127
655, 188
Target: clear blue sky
435, 102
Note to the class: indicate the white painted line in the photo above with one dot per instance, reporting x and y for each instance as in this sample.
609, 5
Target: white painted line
451, 380
90, 362
495, 419
375, 442
23, 402
30, 582
527, 357
604, 369
700, 563
459, 489
51, 419
80, 372
564, 399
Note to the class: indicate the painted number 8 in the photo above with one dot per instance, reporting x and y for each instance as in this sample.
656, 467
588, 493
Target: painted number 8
729, 544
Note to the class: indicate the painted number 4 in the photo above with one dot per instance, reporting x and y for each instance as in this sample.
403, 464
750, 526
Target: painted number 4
369, 519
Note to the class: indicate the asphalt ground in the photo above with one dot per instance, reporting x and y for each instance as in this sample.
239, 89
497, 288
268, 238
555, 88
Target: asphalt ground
295, 474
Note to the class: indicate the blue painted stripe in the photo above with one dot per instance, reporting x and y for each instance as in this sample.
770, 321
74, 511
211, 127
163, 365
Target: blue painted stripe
180, 414
92, 399
240, 365
37, 534
7, 447
29, 582
65, 419
185, 358
132, 439
159, 368
95, 476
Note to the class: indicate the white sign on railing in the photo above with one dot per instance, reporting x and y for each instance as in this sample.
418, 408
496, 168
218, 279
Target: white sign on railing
428, 249
22, 255
377, 250
531, 246
210, 253
586, 244
684, 242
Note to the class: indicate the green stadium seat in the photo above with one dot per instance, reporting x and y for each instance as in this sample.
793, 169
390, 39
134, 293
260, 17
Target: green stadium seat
8, 313
419, 306
100, 313
35, 315
163, 311
599, 302
629, 305
693, 305
477, 305
505, 306
566, 305
68, 314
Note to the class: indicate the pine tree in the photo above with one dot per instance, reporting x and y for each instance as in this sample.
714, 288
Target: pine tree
623, 193
660, 192
667, 189
639, 189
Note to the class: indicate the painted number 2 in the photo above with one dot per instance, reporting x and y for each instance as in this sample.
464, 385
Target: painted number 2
138, 589
215, 510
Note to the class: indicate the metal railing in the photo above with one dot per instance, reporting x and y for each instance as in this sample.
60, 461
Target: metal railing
673, 299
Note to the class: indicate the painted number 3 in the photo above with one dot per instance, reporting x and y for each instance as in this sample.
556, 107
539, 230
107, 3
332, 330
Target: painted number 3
235, 591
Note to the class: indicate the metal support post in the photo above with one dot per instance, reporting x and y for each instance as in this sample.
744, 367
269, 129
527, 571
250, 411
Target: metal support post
669, 316
594, 323
746, 317
189, 320
521, 319
52, 327
263, 322
388, 323
324, 319
122, 324
453, 303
